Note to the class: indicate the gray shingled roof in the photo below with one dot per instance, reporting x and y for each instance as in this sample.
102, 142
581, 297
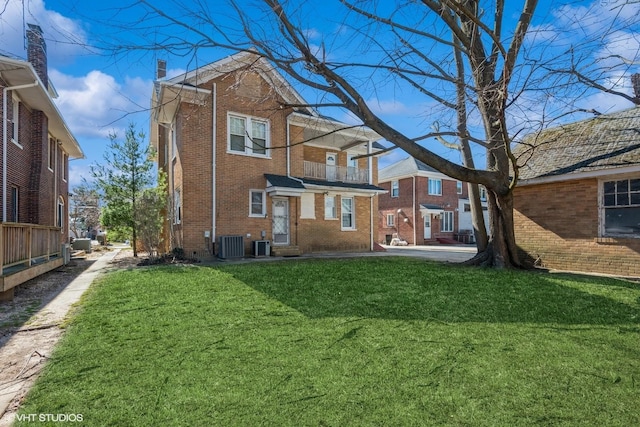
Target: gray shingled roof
603, 142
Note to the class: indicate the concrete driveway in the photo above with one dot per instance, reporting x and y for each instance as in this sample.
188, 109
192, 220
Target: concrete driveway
439, 253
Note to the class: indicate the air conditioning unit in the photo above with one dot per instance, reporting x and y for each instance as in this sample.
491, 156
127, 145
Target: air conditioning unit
231, 247
261, 248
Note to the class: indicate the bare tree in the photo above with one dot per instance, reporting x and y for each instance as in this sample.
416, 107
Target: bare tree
84, 209
407, 44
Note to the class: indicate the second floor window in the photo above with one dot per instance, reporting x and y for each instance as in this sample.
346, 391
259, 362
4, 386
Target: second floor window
395, 189
459, 187
435, 187
248, 135
15, 120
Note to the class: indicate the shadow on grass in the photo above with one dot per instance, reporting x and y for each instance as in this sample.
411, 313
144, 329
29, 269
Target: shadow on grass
408, 289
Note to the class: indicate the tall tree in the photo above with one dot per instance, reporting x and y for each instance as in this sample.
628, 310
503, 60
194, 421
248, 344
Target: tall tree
123, 177
407, 44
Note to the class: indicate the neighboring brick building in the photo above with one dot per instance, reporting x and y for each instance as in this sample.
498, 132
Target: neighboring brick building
422, 205
577, 204
241, 162
37, 145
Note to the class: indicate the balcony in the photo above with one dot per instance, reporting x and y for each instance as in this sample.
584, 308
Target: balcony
326, 172
26, 251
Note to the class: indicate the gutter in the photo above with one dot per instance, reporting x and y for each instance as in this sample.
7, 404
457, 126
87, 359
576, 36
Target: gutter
4, 143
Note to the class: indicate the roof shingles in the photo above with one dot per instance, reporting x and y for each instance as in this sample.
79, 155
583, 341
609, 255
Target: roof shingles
603, 142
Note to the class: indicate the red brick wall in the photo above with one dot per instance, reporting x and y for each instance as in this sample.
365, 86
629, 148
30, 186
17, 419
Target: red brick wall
27, 169
236, 174
390, 205
556, 226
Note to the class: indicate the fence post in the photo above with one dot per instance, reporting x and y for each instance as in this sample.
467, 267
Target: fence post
30, 244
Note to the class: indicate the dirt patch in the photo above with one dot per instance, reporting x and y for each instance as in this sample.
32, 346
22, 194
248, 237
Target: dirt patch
28, 334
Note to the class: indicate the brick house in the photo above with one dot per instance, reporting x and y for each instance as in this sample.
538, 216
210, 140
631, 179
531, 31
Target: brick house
577, 203
247, 161
34, 189
422, 205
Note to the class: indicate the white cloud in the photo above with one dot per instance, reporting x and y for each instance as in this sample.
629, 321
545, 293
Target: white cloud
95, 104
65, 37
388, 107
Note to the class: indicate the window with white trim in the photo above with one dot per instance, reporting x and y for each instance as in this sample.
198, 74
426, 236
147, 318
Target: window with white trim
60, 213
483, 193
459, 187
348, 214
621, 206
446, 223
395, 189
65, 166
391, 220
435, 187
52, 153
15, 119
248, 135
257, 205
330, 207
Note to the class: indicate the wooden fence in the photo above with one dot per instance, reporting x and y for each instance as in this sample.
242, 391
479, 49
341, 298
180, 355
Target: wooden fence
27, 244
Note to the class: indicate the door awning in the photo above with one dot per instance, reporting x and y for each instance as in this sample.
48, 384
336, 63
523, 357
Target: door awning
431, 209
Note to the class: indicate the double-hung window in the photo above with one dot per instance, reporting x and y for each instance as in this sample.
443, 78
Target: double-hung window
248, 135
435, 187
52, 154
459, 187
391, 220
15, 120
395, 189
446, 225
330, 207
622, 207
257, 206
348, 214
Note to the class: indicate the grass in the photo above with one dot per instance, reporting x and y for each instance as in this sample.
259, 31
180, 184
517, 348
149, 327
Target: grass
358, 342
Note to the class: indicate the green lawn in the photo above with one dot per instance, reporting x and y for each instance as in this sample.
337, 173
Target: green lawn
355, 342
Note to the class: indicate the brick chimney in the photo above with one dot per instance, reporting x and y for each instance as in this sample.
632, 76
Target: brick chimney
635, 82
37, 52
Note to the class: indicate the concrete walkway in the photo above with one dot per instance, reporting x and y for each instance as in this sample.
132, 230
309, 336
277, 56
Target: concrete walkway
35, 342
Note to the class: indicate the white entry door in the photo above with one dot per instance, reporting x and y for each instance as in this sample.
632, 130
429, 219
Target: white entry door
280, 221
331, 166
427, 226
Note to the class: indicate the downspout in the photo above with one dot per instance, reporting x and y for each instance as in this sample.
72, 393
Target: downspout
214, 121
371, 220
415, 225
4, 143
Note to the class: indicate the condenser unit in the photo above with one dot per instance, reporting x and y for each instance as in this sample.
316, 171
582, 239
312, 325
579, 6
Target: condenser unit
231, 247
261, 248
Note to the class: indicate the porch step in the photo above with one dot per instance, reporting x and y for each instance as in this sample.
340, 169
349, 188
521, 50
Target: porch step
286, 251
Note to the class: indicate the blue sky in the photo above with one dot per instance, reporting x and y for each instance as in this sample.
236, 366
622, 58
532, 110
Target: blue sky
101, 93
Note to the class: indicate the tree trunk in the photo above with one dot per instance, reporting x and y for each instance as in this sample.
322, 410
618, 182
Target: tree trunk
501, 250
133, 243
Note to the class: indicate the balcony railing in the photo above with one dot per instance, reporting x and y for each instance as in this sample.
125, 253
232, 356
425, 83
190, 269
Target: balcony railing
335, 173
27, 244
